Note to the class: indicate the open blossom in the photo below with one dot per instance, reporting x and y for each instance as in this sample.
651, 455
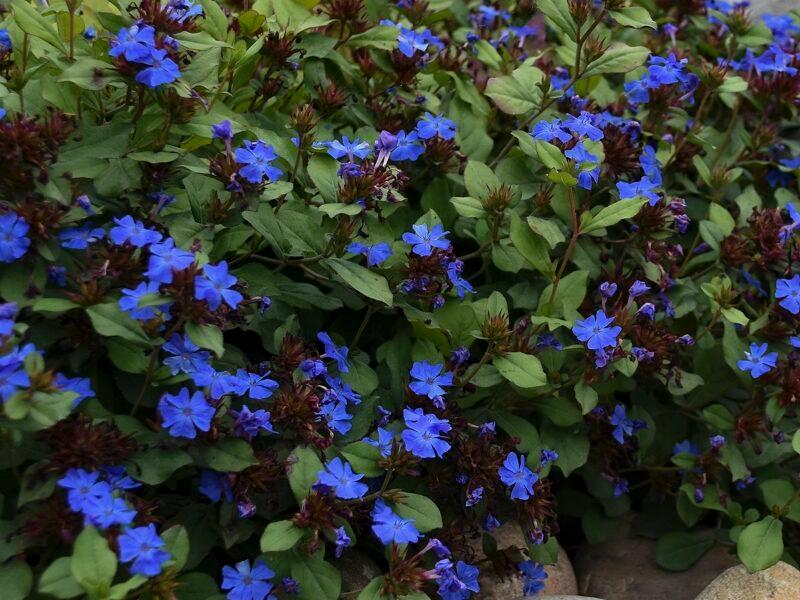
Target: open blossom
596, 331
339, 475
758, 361
423, 436
515, 474
390, 527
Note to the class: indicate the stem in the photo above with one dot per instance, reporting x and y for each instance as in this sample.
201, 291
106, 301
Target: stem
484, 359
71, 8
370, 311
572, 243
148, 377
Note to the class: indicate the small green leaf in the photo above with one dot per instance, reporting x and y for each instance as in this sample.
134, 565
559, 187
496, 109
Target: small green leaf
228, 456
318, 579
523, 370
16, 580
93, 563
479, 179
547, 229
421, 509
58, 581
304, 468
633, 16
280, 536
206, 336
677, 551
613, 214
362, 280
619, 58
364, 458
109, 320
760, 545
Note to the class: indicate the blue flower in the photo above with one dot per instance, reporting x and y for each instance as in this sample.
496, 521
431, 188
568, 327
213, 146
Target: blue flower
219, 383
312, 367
376, 253
581, 155
215, 486
186, 355
757, 361
166, 258
340, 391
383, 443
789, 291
214, 285
623, 426
775, 60
407, 147
583, 125
666, 71
644, 187
516, 474
337, 353
637, 91
336, 416
129, 230
6, 45
650, 165
348, 148
256, 158
461, 285
222, 131
546, 131
548, 456
79, 238
118, 478
342, 541
390, 527
160, 69
81, 386
457, 582
423, 434
249, 424
132, 297
14, 242
423, 241
409, 42
429, 126
142, 545
429, 379
181, 11
686, 447
638, 288
183, 415
339, 475
260, 387
133, 44
533, 577
106, 511
474, 496
83, 485
596, 331
12, 378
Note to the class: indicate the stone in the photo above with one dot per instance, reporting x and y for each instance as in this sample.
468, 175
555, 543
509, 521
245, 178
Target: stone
357, 570
775, 7
560, 576
625, 569
780, 582
568, 597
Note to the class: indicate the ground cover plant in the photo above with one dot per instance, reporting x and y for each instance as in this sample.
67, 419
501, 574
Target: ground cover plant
287, 280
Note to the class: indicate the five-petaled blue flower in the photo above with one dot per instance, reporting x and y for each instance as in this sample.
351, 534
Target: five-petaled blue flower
105, 511
623, 426
390, 527
596, 331
342, 541
160, 69
131, 299
516, 474
339, 475
82, 486
583, 125
407, 147
429, 379
336, 416
14, 242
337, 353
430, 126
127, 229
259, 387
423, 434
644, 187
546, 131
376, 253
348, 148
186, 355
214, 285
166, 258
143, 546
789, 291
183, 414
423, 241
533, 576
456, 582
79, 238
133, 44
757, 361
257, 158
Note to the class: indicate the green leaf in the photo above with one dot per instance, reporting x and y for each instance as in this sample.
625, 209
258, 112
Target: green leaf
421, 509
558, 16
547, 229
469, 207
16, 580
779, 497
364, 458
633, 16
531, 246
585, 395
31, 22
523, 370
93, 563
318, 579
521, 429
679, 550
156, 465
109, 320
57, 580
796, 441
362, 280
176, 542
613, 214
372, 591
324, 172
228, 456
760, 544
206, 336
381, 38
544, 152
280, 536
572, 447
479, 179
304, 467
619, 58
517, 93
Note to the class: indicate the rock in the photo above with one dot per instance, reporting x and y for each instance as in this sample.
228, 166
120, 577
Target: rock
570, 597
779, 582
357, 570
775, 7
494, 586
625, 569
